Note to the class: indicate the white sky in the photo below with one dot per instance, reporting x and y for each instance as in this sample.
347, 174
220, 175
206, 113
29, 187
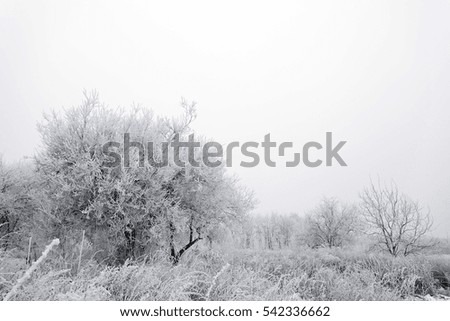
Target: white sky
375, 73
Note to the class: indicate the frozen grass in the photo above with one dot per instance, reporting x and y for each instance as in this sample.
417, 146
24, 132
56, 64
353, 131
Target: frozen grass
251, 275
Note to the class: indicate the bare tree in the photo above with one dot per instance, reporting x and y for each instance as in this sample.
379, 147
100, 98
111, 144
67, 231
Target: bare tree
398, 223
331, 223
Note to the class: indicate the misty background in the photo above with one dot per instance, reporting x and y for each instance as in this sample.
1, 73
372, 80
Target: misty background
376, 74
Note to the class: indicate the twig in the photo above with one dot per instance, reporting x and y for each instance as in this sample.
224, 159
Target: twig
81, 252
224, 268
29, 251
33, 267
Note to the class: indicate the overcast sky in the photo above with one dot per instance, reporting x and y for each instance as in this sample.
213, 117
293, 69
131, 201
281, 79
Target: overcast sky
375, 73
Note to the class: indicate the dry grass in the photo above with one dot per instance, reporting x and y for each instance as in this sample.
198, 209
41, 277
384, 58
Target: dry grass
251, 275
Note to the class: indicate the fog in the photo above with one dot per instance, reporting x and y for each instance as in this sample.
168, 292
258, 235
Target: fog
375, 74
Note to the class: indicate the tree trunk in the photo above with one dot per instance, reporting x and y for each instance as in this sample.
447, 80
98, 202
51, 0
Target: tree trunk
175, 256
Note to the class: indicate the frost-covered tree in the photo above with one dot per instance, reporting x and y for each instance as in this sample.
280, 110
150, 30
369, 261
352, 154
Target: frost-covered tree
331, 223
16, 203
128, 210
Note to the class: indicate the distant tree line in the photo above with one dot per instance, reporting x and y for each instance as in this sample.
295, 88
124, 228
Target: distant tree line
393, 222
